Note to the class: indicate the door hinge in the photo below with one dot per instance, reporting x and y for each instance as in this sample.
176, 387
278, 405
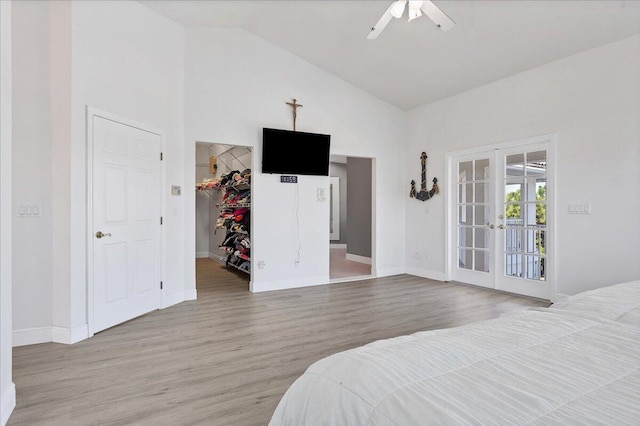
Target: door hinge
160, 285
160, 220
161, 156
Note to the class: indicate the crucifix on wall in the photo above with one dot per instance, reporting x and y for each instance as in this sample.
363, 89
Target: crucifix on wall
294, 106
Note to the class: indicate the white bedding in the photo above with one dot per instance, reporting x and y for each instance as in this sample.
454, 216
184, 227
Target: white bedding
619, 302
536, 367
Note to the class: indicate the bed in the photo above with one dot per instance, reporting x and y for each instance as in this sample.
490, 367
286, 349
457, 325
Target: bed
576, 362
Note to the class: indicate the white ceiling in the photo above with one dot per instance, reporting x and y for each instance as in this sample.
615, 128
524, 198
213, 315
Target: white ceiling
414, 63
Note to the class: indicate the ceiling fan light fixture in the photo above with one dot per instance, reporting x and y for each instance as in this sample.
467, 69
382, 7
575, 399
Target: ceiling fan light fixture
414, 9
397, 9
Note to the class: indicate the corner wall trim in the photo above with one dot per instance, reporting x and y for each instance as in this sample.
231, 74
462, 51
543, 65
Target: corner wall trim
287, 284
8, 403
425, 273
359, 259
388, 272
338, 246
69, 336
202, 254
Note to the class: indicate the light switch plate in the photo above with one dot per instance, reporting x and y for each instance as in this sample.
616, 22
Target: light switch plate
175, 190
322, 195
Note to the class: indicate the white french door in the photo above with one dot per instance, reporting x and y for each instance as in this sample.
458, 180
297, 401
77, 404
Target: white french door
500, 209
126, 234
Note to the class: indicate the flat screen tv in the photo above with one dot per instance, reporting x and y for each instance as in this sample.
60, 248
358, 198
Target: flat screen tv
295, 153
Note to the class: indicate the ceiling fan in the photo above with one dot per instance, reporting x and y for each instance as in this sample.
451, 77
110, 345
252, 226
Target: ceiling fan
416, 9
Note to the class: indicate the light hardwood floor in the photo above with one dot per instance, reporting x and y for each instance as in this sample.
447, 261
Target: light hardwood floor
227, 358
340, 267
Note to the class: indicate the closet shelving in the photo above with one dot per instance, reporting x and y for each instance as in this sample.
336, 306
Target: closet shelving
234, 216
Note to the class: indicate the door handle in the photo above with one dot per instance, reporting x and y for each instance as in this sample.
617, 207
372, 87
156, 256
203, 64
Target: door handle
491, 226
501, 226
99, 234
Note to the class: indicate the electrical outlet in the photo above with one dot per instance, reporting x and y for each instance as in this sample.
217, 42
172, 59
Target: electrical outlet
425, 257
261, 264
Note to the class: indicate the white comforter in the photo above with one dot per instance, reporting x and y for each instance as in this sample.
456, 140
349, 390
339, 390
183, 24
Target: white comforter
549, 366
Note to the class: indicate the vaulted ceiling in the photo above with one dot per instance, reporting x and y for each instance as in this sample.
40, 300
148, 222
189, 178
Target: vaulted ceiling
414, 63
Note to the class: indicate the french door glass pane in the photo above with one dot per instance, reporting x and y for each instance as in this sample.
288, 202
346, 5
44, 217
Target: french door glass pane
466, 235
482, 261
465, 171
482, 193
525, 213
513, 265
535, 268
482, 215
465, 215
465, 193
465, 259
513, 239
536, 163
482, 169
515, 165
482, 238
474, 214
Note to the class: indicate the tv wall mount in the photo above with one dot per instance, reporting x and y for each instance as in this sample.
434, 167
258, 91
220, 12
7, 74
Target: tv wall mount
424, 194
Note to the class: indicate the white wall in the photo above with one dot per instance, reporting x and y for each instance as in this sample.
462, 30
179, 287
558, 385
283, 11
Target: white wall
592, 102
236, 84
203, 201
32, 172
7, 388
128, 61
121, 58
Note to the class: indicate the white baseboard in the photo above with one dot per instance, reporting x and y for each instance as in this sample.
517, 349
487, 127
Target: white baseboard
359, 259
8, 403
350, 279
69, 336
32, 336
202, 254
215, 256
388, 272
338, 246
258, 287
425, 273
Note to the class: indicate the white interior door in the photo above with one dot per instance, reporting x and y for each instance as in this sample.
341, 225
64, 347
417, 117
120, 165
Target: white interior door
500, 214
473, 245
126, 230
522, 227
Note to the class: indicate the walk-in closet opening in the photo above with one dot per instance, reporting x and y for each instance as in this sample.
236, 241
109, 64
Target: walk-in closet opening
351, 217
223, 214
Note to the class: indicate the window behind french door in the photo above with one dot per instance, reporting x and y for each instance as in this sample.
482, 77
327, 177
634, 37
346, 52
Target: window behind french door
500, 233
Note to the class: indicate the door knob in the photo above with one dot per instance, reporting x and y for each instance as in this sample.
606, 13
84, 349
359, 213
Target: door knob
99, 234
491, 226
501, 226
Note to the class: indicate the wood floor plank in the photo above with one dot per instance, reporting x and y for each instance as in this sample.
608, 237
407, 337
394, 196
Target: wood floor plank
228, 357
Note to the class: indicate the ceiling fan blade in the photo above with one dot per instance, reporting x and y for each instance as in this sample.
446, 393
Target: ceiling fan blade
437, 16
379, 26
